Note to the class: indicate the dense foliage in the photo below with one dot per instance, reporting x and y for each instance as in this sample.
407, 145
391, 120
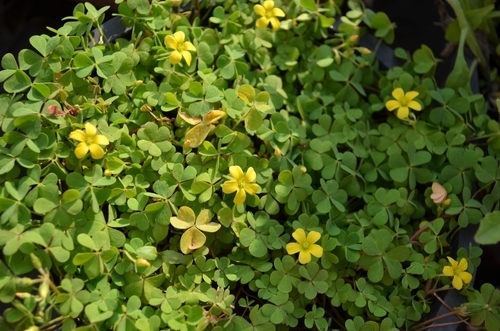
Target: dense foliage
239, 165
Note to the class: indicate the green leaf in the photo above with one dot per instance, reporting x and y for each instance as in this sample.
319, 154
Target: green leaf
253, 120
9, 62
488, 232
308, 4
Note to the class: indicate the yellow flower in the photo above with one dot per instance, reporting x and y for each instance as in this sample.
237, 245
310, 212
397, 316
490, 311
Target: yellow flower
89, 141
181, 48
241, 184
458, 272
269, 14
403, 102
305, 246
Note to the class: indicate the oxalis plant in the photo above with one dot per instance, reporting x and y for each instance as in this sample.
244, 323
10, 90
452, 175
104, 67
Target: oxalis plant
239, 165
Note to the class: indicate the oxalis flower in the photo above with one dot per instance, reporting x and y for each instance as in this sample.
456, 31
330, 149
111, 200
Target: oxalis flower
459, 273
180, 47
269, 14
439, 194
89, 141
241, 184
305, 246
404, 101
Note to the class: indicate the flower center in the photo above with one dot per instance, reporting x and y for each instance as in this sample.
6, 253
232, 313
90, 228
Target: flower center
456, 272
180, 47
89, 140
269, 14
305, 245
242, 184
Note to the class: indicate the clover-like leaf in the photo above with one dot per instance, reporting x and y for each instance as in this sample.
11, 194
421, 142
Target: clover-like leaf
203, 222
185, 218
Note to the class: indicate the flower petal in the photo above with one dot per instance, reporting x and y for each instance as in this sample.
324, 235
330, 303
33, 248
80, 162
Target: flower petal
230, 186
293, 248
457, 283
299, 235
313, 236
463, 265
188, 46
392, 104
252, 188
187, 56
96, 151
453, 263
101, 140
398, 94
250, 176
240, 197
78, 135
175, 57
81, 150
411, 95
466, 277
304, 257
414, 105
316, 250
275, 23
403, 112
259, 10
179, 37
269, 4
90, 130
236, 172
262, 22
170, 42
277, 12
448, 271
438, 197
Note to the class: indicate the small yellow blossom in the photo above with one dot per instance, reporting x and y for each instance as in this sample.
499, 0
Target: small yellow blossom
241, 184
89, 141
438, 193
404, 101
269, 14
305, 246
459, 273
180, 47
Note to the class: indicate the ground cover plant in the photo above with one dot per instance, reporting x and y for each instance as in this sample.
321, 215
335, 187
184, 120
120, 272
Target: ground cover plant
241, 165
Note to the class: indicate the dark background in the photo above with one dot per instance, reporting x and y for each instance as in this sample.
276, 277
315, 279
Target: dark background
21, 19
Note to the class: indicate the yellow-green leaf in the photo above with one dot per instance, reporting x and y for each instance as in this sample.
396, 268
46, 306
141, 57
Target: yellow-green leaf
197, 135
185, 218
192, 239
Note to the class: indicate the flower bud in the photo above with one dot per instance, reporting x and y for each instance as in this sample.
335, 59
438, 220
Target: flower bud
277, 152
146, 108
336, 57
35, 261
139, 82
140, 262
353, 38
32, 328
303, 169
108, 173
364, 50
43, 290
23, 295
24, 282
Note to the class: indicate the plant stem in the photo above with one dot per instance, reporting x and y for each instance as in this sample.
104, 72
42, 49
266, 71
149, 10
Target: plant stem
470, 37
